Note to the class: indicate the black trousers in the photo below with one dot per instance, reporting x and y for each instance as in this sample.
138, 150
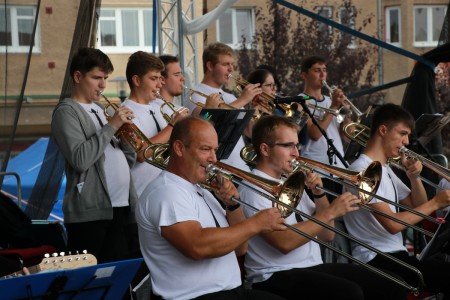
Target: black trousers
435, 272
332, 281
107, 240
239, 293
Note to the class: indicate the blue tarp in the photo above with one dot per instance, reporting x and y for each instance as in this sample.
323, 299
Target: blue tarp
27, 164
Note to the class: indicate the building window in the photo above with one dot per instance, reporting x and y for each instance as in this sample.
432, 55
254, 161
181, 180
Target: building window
123, 30
428, 21
347, 18
16, 29
393, 27
235, 26
323, 29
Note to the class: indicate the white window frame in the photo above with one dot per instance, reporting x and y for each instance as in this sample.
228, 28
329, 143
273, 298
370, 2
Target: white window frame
119, 48
388, 27
329, 9
352, 44
236, 44
429, 9
15, 47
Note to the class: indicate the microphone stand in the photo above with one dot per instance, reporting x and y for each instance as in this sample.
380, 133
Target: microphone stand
331, 148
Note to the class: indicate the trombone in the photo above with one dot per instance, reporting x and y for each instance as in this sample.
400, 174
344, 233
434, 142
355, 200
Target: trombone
360, 134
287, 196
170, 105
366, 183
353, 108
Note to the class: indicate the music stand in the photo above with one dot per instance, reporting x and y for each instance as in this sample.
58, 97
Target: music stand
429, 125
440, 243
103, 281
229, 125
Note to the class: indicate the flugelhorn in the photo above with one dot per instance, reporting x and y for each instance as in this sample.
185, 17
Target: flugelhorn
352, 106
170, 105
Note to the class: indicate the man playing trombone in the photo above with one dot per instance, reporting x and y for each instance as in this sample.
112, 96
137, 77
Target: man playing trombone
188, 240
391, 126
288, 263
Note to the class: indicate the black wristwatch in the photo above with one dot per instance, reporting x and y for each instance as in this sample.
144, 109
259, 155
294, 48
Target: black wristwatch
233, 207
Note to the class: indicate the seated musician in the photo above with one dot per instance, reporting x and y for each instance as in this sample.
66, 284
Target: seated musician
286, 262
391, 126
188, 241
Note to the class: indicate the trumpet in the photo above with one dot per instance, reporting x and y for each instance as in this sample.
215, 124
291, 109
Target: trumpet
170, 105
201, 105
129, 132
267, 100
353, 108
340, 113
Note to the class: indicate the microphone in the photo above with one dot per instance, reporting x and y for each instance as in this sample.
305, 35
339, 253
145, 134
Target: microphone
295, 99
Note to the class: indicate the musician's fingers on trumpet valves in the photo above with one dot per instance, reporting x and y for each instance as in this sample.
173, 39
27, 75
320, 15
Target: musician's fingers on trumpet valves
248, 93
121, 116
214, 100
178, 115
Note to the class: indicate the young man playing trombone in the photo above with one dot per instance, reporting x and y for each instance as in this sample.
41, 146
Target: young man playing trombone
287, 263
391, 126
188, 240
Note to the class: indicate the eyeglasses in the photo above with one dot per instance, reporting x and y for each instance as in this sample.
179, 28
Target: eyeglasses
291, 146
272, 86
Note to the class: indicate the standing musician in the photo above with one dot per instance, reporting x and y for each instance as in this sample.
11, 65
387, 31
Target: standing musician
313, 73
100, 197
391, 126
172, 80
144, 78
285, 262
186, 236
218, 60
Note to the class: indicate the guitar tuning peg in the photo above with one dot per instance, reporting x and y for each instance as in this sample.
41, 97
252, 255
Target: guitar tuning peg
46, 255
84, 251
55, 254
62, 253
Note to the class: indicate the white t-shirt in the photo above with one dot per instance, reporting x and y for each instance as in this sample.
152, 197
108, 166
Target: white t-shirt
116, 165
234, 159
143, 173
262, 260
364, 226
317, 150
167, 200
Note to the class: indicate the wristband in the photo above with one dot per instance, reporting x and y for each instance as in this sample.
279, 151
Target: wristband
319, 196
233, 207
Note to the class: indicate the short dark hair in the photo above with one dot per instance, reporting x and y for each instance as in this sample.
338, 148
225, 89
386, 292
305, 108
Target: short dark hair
264, 130
167, 59
140, 63
390, 115
258, 76
86, 59
212, 51
309, 61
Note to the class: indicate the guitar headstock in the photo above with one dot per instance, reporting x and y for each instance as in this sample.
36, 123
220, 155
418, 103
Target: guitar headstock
65, 262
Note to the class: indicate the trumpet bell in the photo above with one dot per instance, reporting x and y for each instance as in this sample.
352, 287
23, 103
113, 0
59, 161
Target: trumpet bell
291, 192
